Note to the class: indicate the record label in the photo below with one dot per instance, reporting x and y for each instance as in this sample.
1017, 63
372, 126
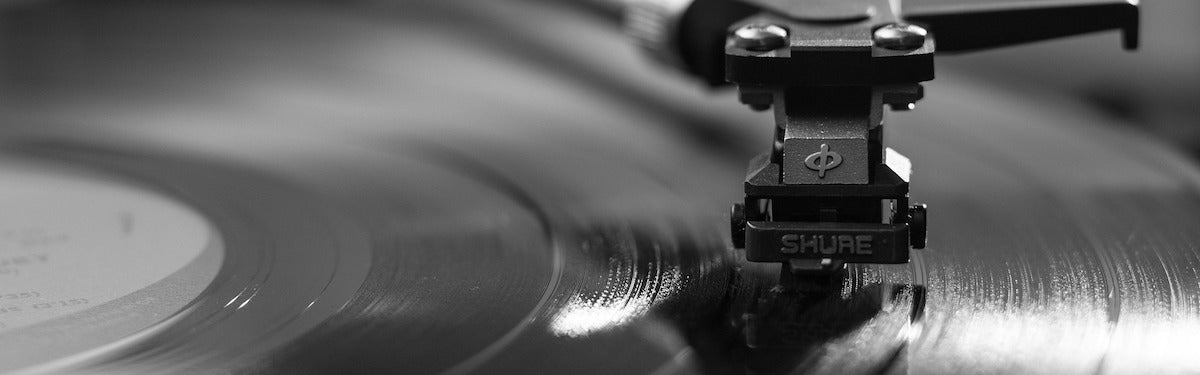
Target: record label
75, 248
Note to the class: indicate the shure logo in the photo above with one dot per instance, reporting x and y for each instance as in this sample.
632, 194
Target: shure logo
826, 244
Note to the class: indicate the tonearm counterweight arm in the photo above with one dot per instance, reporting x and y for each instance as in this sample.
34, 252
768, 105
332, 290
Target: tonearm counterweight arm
824, 195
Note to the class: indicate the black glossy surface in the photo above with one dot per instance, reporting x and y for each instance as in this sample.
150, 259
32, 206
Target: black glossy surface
557, 205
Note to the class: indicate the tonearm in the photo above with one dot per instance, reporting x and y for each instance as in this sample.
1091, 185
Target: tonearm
828, 192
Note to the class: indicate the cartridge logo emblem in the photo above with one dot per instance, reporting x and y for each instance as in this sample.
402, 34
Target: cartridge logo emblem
831, 244
823, 160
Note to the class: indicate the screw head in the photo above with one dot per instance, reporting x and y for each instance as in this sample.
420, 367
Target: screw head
760, 38
900, 37
737, 225
918, 225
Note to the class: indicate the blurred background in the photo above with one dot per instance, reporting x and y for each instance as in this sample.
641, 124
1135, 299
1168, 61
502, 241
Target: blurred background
334, 57
1154, 88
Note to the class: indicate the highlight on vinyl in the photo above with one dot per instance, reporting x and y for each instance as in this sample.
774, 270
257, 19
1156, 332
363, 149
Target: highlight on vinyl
599, 186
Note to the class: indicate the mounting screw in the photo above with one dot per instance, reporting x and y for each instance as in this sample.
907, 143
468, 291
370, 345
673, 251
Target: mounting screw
760, 38
737, 225
918, 225
900, 37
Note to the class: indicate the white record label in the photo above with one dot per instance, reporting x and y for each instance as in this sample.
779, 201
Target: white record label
73, 243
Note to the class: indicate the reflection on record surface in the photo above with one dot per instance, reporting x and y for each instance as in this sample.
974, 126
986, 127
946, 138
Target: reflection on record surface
449, 188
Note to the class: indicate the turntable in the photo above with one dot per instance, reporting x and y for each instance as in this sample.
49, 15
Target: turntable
484, 187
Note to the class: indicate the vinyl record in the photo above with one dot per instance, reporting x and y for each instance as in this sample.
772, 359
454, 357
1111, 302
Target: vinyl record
446, 188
